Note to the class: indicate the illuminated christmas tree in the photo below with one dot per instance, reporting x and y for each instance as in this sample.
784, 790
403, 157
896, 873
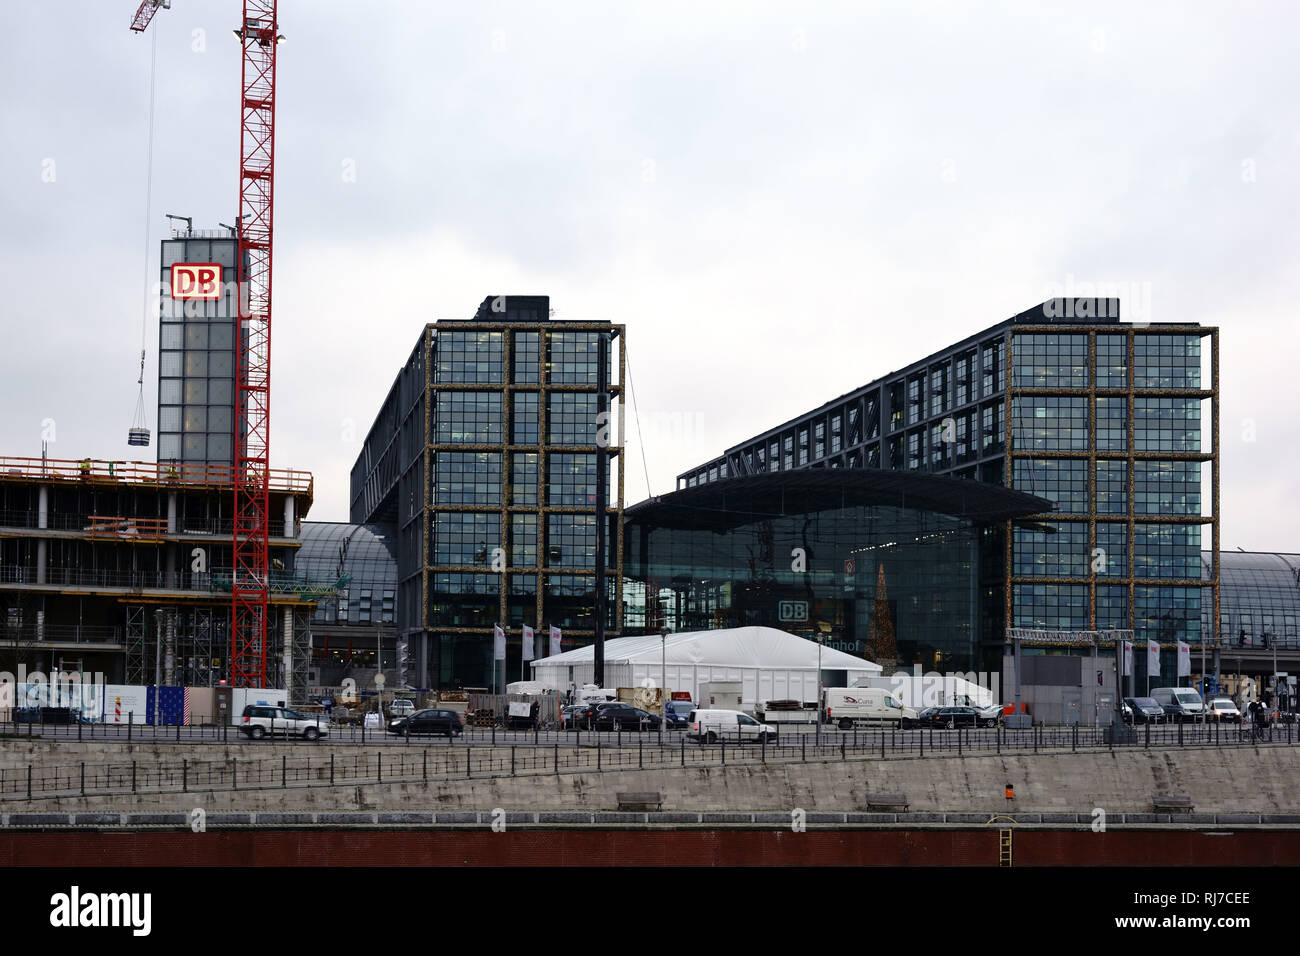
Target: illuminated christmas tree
881, 645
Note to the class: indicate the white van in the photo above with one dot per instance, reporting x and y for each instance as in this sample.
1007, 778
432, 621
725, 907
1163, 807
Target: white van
1180, 703
710, 726
848, 706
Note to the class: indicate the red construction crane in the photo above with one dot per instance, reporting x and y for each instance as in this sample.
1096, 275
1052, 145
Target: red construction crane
259, 35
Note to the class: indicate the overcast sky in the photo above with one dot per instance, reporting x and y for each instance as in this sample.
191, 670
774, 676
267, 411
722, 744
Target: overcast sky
782, 201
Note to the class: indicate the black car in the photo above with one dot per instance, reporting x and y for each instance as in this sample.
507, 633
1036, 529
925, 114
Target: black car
1144, 710
571, 715
579, 717
951, 717
616, 716
444, 722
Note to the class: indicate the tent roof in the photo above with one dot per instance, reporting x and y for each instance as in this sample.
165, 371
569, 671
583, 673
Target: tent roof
729, 647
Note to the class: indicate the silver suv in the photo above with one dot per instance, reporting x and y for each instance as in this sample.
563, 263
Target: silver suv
261, 720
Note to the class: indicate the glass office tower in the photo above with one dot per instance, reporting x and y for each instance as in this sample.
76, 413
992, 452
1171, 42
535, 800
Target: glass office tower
485, 457
1114, 423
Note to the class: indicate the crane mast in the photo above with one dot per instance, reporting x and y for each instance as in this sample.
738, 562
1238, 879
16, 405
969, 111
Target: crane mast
258, 34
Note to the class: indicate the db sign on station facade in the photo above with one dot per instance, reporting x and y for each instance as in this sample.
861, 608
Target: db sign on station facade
196, 280
793, 611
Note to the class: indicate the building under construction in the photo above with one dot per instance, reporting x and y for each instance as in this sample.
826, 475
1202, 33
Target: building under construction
124, 568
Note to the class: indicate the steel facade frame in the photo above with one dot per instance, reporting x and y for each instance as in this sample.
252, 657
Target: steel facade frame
877, 394
543, 388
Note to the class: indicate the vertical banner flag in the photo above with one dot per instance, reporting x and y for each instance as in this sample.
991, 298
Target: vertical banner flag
1184, 660
1153, 659
555, 640
1128, 658
528, 643
498, 643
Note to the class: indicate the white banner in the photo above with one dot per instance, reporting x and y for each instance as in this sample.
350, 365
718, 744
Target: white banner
555, 640
1128, 658
498, 643
1184, 660
126, 703
1153, 659
86, 698
528, 643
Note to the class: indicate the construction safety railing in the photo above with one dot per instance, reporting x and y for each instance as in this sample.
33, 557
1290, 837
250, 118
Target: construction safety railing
285, 582
101, 526
92, 524
145, 473
216, 582
263, 765
63, 633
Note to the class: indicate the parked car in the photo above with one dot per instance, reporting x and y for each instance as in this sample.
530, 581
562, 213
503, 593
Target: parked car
401, 708
618, 716
1222, 708
263, 720
1143, 710
991, 716
580, 717
710, 726
432, 721
679, 714
572, 715
951, 717
1180, 703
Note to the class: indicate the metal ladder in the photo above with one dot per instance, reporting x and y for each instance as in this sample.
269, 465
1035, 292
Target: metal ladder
1005, 825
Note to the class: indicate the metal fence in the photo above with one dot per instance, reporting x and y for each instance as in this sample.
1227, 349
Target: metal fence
41, 722
460, 758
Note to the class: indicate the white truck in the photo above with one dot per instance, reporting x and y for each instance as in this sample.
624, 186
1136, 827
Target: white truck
847, 707
919, 691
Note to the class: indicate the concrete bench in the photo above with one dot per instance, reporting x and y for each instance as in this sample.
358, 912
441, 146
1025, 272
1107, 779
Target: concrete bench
642, 802
1171, 804
896, 802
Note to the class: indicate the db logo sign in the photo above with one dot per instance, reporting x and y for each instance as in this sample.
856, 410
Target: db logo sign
792, 611
196, 280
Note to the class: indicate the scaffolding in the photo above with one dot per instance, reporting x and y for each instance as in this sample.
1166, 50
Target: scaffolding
301, 654
137, 666
198, 648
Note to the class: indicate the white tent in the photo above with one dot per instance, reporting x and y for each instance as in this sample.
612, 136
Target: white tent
770, 664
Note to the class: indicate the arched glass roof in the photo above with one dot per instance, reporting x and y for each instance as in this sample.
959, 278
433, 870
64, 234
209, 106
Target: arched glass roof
367, 553
1259, 594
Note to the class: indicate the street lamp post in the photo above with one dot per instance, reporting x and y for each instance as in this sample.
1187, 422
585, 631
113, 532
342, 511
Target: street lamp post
663, 678
1273, 644
818, 727
159, 619
379, 663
